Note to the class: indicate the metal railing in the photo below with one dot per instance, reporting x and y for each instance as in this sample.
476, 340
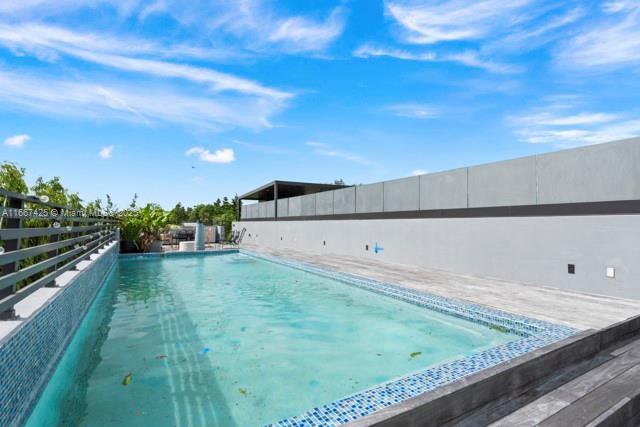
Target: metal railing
42, 240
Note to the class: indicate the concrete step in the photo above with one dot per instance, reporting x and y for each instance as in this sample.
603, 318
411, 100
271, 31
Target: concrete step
602, 394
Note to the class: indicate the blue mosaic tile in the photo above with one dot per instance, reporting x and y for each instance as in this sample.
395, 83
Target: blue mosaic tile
534, 334
29, 355
176, 254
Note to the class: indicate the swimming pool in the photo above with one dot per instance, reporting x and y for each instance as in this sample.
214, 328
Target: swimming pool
243, 339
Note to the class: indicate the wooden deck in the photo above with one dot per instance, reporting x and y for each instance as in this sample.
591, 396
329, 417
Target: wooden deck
606, 393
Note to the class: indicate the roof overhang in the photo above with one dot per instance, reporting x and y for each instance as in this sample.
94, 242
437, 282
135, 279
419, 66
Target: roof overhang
287, 189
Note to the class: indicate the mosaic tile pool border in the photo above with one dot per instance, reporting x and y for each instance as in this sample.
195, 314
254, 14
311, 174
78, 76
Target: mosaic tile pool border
171, 254
31, 353
535, 334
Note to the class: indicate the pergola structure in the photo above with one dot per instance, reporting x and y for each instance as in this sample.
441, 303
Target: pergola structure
275, 190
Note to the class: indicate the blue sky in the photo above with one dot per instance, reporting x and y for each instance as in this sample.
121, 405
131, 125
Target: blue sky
190, 101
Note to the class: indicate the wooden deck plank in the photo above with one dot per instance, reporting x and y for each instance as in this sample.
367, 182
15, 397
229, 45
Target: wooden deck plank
563, 396
589, 407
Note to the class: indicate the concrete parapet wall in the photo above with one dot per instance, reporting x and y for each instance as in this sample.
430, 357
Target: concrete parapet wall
402, 194
308, 205
598, 173
344, 201
508, 183
444, 190
324, 203
370, 198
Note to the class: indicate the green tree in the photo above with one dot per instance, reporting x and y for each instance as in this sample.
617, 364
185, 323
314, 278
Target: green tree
178, 214
12, 178
56, 192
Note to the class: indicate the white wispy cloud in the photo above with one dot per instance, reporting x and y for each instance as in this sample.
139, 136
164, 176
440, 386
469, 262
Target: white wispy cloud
49, 42
300, 34
369, 50
257, 25
562, 125
431, 21
413, 110
474, 59
484, 34
207, 98
419, 172
467, 57
612, 43
536, 34
135, 102
17, 140
224, 155
322, 149
43, 8
106, 152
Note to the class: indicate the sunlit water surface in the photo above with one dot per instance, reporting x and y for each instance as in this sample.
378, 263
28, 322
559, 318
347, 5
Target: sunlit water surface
222, 341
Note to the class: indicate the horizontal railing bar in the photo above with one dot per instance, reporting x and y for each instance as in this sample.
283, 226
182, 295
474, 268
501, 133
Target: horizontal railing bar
13, 278
23, 233
11, 300
31, 199
21, 254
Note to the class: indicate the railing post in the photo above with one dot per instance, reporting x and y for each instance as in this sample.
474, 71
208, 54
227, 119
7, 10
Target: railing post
53, 238
11, 245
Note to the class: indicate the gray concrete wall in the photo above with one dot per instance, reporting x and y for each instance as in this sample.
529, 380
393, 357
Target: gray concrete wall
344, 201
402, 194
309, 205
283, 208
295, 206
324, 203
444, 190
596, 173
369, 198
508, 183
533, 250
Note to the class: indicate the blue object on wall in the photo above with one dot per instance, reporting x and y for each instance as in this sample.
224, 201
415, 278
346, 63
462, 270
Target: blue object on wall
378, 248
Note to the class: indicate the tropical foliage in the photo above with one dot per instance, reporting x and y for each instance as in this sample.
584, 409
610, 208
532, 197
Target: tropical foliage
140, 226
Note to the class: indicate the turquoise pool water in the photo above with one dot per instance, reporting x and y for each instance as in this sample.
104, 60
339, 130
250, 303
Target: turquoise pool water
232, 341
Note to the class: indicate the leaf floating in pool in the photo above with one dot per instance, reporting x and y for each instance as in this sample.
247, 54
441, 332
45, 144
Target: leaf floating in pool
127, 379
162, 356
415, 354
243, 391
499, 328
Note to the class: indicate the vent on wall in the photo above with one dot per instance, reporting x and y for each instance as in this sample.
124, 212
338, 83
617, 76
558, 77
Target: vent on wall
571, 268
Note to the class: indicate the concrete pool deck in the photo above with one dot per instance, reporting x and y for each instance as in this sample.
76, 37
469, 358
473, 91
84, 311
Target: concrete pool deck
578, 310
